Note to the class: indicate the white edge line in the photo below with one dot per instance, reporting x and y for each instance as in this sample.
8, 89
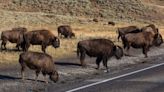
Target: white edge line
117, 77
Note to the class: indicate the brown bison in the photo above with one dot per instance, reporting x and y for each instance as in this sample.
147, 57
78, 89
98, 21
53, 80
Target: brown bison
66, 31
40, 62
103, 49
111, 23
95, 20
125, 30
14, 36
40, 37
142, 40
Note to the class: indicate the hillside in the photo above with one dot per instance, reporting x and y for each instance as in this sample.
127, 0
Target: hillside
55, 11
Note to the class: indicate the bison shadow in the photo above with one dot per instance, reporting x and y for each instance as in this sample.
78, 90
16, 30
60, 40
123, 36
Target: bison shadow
34, 80
7, 77
67, 64
10, 50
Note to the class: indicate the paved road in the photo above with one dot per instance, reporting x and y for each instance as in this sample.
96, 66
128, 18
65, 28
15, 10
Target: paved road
149, 78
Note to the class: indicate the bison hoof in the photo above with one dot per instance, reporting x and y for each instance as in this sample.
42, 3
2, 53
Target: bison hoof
146, 56
84, 66
97, 68
106, 71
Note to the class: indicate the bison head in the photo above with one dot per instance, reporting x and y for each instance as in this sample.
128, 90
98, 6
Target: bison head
54, 76
118, 52
55, 42
158, 40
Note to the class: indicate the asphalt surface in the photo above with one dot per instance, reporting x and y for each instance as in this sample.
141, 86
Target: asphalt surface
148, 80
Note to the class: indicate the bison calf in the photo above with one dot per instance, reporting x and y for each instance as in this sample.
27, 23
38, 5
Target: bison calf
40, 62
65, 30
103, 49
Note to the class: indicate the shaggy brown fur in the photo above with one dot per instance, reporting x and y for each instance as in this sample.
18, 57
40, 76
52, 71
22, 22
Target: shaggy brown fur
40, 62
14, 36
125, 30
65, 30
40, 37
138, 40
103, 49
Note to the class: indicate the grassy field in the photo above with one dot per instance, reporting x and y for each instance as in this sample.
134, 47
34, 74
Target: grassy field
68, 46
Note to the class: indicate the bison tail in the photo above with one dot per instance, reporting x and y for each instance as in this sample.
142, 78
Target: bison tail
78, 51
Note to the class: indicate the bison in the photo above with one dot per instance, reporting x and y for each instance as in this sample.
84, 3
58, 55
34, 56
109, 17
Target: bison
95, 20
125, 30
103, 49
40, 62
40, 37
142, 40
111, 23
14, 36
66, 31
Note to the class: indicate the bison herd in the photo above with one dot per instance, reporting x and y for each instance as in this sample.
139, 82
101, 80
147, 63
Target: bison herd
102, 49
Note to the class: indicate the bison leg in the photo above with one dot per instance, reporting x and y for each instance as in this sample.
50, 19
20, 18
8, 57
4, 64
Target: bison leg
145, 50
127, 48
17, 46
105, 60
98, 60
22, 71
26, 47
45, 79
3, 44
43, 48
37, 74
118, 37
82, 57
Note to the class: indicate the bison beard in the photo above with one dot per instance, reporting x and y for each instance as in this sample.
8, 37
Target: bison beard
103, 49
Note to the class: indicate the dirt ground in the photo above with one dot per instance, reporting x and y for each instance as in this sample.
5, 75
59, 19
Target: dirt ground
69, 70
